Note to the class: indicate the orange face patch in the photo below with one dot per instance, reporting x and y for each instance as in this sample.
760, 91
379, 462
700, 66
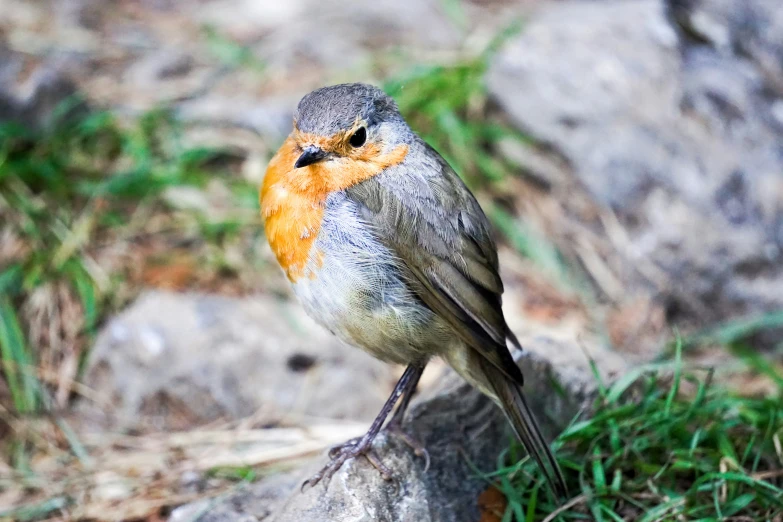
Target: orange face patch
293, 200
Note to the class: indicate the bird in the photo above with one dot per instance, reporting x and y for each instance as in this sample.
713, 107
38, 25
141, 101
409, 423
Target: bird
387, 248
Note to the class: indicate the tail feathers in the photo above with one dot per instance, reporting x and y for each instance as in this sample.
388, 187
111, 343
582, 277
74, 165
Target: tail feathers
513, 338
524, 423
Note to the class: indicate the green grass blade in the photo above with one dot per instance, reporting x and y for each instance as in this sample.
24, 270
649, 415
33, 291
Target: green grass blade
11, 279
35, 511
736, 330
83, 283
17, 360
677, 376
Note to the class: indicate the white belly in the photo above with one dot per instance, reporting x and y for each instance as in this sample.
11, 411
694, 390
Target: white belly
354, 287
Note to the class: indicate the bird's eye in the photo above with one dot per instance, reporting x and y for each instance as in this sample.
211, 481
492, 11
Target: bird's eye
358, 138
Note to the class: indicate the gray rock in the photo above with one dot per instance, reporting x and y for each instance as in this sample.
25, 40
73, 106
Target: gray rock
270, 117
172, 361
330, 33
463, 432
677, 138
30, 98
87, 14
458, 427
251, 503
163, 65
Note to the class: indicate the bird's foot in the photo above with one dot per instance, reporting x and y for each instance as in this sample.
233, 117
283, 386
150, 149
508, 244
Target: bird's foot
395, 428
339, 455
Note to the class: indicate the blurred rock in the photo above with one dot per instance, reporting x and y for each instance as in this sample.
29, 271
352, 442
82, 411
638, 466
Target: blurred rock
329, 33
87, 14
163, 65
668, 144
252, 503
752, 28
271, 117
173, 361
31, 90
462, 431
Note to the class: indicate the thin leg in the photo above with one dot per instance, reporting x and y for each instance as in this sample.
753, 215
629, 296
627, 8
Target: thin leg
409, 390
395, 424
356, 448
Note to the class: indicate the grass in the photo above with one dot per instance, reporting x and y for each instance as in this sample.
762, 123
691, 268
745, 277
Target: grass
448, 106
736, 338
738, 329
71, 197
657, 448
230, 53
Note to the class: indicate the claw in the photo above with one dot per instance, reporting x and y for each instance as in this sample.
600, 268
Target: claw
382, 468
339, 455
426, 459
335, 450
362, 447
418, 448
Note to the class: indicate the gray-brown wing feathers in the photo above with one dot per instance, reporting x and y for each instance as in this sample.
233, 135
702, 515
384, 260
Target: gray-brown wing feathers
438, 230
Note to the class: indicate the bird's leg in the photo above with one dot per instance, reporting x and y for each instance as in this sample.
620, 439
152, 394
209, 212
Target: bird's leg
408, 391
362, 446
395, 424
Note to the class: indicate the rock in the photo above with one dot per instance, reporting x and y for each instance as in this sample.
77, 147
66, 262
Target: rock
462, 430
87, 14
153, 68
31, 90
672, 142
173, 361
270, 117
330, 33
252, 503
458, 427
753, 28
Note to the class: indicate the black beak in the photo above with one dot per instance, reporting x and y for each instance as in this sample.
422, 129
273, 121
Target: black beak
311, 154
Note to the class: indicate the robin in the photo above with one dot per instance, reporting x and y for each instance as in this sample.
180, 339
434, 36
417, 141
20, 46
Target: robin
387, 248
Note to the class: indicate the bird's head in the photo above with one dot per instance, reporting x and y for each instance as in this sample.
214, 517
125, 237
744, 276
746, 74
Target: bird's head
343, 135
345, 124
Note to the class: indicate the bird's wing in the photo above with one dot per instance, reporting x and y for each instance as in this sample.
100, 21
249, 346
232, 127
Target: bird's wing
427, 216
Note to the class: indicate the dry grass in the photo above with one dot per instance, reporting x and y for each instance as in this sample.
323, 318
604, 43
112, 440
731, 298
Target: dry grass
92, 210
103, 476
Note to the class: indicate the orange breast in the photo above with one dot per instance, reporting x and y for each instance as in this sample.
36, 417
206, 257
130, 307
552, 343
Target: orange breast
293, 200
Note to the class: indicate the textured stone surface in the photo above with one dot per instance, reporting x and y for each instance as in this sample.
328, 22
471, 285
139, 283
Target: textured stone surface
172, 361
457, 427
462, 430
671, 132
30, 90
254, 502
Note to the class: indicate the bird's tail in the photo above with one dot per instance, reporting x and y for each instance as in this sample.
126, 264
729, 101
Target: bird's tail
515, 407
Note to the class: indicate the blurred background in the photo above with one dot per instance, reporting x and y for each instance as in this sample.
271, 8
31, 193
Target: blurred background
629, 154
